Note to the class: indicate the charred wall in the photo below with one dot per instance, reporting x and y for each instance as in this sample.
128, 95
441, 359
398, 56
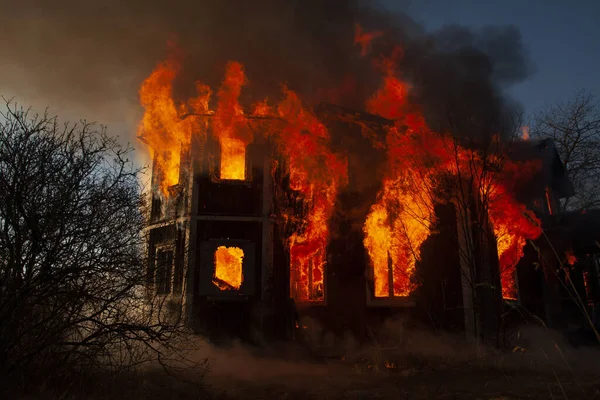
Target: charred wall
221, 315
170, 238
240, 213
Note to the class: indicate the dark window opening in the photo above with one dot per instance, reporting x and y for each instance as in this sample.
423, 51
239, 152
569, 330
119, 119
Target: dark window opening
156, 208
164, 271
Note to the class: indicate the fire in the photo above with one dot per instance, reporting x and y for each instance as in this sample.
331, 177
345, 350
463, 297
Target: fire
400, 220
233, 159
512, 222
230, 125
228, 268
162, 127
394, 231
317, 174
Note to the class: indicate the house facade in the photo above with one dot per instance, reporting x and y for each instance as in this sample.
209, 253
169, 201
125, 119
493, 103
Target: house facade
219, 244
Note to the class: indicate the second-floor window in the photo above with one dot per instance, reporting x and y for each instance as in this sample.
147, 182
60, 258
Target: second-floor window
233, 159
164, 271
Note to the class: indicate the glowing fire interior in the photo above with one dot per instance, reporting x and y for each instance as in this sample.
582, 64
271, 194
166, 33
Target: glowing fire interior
233, 159
397, 224
228, 268
394, 231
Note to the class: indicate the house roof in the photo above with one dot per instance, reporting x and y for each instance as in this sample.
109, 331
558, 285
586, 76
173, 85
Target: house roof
582, 229
552, 173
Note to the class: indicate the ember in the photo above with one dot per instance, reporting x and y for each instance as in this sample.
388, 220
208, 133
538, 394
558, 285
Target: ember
570, 257
228, 268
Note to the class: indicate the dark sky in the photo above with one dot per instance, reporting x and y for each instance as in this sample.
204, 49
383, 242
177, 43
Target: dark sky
563, 38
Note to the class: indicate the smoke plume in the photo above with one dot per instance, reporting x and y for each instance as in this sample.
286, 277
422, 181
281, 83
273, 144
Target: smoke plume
89, 58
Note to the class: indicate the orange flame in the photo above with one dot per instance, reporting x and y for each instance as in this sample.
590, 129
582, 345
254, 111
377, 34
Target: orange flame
397, 224
233, 158
512, 222
400, 222
317, 174
229, 127
228, 268
395, 229
162, 128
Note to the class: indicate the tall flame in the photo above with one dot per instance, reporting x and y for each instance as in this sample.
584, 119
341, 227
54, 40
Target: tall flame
400, 221
230, 126
512, 222
162, 127
317, 174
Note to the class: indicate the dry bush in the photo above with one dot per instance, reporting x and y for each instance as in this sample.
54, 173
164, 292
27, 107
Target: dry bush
72, 264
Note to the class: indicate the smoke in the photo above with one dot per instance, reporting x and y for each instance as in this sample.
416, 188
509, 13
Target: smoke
400, 355
89, 58
460, 76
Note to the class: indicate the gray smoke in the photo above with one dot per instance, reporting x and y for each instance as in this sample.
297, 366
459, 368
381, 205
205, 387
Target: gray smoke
89, 58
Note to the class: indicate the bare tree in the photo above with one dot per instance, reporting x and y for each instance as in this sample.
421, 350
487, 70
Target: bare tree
72, 265
574, 126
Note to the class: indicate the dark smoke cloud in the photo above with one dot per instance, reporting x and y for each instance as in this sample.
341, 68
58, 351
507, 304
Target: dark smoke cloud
90, 57
460, 74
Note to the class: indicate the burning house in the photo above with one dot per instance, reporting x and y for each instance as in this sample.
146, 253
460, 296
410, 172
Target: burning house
266, 212
377, 180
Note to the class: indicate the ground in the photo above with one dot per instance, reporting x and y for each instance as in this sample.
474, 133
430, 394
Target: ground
417, 366
409, 365
427, 381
